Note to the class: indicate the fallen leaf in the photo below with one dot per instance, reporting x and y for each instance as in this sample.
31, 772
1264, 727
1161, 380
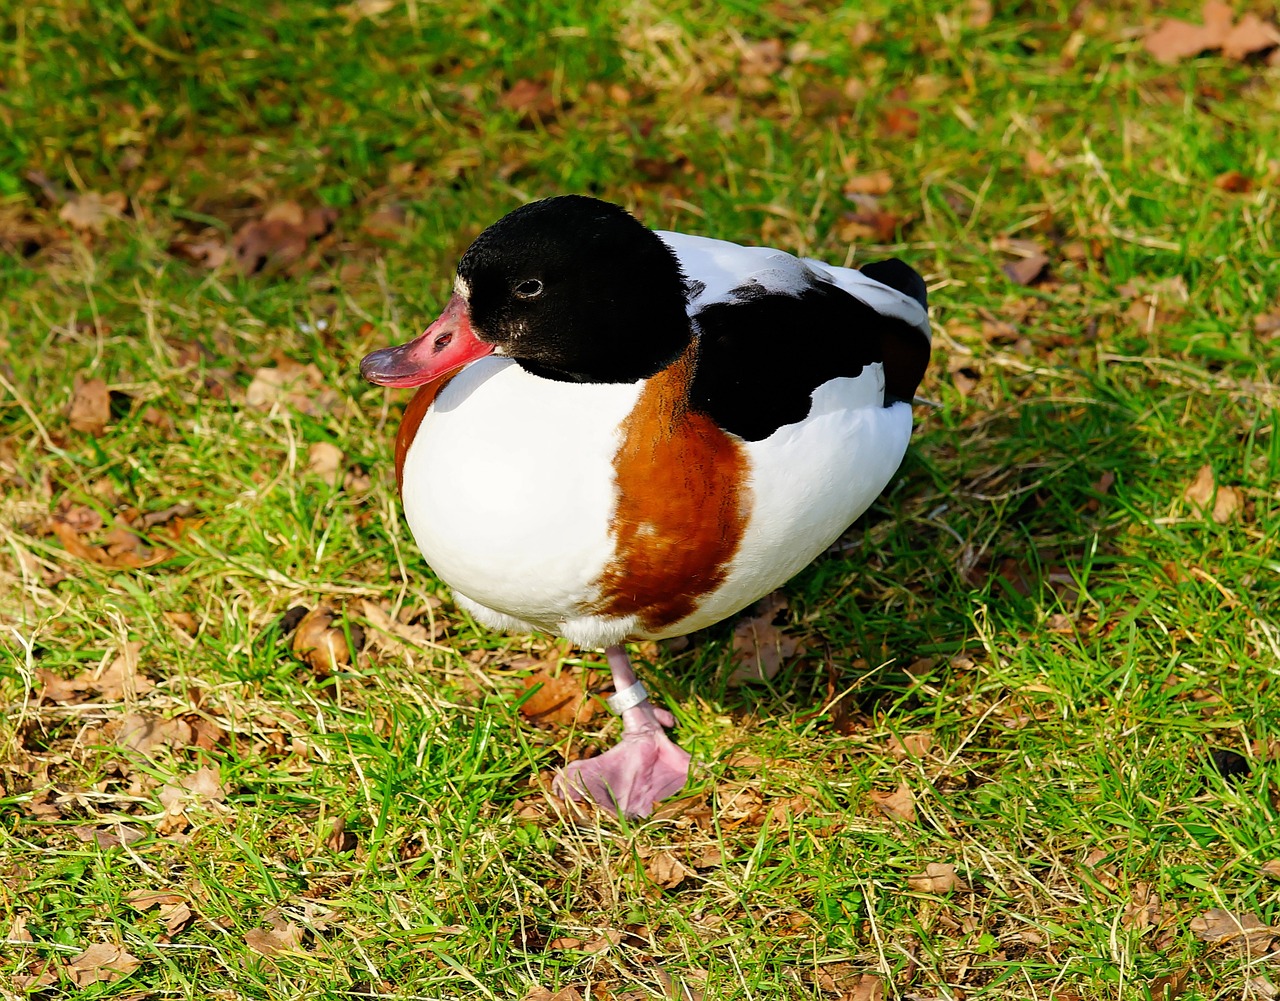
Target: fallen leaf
207, 251
562, 699
1026, 270
184, 621
666, 870
1174, 40
89, 212
1170, 986
1271, 868
532, 99
296, 385
274, 941
868, 988
877, 182
759, 645
122, 679
897, 805
101, 963
146, 733
938, 877
360, 9
144, 900
387, 223
913, 745
1217, 502
90, 409
325, 460
340, 839
120, 550
201, 786
280, 238
392, 634
176, 916
1225, 927
901, 120
319, 644
1250, 36
1234, 182
758, 62
112, 837
1039, 164
871, 225
44, 973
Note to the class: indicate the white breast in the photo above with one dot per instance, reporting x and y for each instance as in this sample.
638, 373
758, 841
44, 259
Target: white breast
509, 490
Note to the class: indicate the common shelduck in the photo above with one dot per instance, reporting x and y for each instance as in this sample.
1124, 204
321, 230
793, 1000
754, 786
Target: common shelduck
625, 434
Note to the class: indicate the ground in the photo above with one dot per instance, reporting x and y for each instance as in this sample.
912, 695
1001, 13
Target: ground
1019, 736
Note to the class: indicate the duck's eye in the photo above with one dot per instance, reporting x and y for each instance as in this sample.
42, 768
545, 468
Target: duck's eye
529, 289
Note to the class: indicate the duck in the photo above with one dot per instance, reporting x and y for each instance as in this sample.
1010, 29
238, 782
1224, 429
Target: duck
621, 434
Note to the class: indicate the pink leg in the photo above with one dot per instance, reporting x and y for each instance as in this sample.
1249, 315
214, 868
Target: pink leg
644, 768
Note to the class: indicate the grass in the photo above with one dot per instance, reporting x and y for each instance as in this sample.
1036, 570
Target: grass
1033, 594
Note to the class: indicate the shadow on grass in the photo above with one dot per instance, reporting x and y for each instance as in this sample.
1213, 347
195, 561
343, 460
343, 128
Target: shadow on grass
1000, 517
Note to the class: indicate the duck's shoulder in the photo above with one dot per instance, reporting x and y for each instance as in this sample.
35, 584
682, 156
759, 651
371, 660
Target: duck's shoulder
773, 327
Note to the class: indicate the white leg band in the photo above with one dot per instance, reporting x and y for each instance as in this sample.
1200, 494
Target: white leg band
626, 699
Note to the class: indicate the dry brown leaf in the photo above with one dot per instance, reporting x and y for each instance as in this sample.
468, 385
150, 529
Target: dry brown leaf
938, 877
913, 745
1226, 927
1026, 270
208, 251
184, 621
562, 699
1174, 40
146, 733
666, 870
325, 460
340, 839
280, 238
144, 900
1250, 36
1261, 986
868, 988
387, 223
274, 941
201, 786
759, 646
176, 916
121, 548
319, 644
1219, 503
1234, 182
871, 225
122, 679
877, 182
90, 212
1271, 868
112, 837
18, 930
1039, 164
1170, 986
388, 632
119, 679
531, 99
101, 963
90, 409
897, 805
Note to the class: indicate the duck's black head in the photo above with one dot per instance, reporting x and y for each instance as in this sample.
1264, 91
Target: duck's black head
575, 288
572, 288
